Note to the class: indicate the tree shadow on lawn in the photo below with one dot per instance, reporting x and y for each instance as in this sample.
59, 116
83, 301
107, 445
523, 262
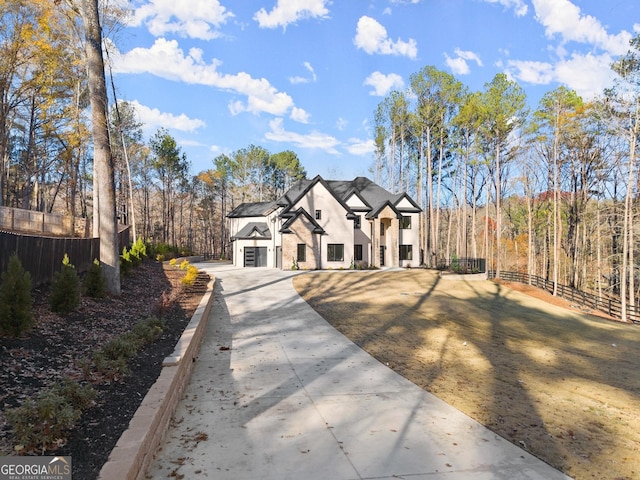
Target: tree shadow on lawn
562, 385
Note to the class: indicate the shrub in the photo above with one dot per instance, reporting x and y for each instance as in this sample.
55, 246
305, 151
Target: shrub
16, 314
126, 265
191, 275
138, 252
173, 262
65, 288
80, 397
41, 422
112, 359
184, 264
95, 285
148, 330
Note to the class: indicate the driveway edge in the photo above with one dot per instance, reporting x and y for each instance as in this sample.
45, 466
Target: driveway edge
134, 450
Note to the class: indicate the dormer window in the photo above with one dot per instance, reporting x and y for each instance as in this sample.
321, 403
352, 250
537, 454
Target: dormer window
318, 214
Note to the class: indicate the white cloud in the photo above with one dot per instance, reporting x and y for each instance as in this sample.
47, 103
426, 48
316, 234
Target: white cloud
383, 84
357, 146
537, 73
152, 118
191, 18
519, 7
166, 60
290, 11
566, 19
313, 140
312, 78
299, 115
341, 124
372, 37
459, 64
587, 74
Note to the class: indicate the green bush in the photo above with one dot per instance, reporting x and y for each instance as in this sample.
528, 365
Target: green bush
65, 288
39, 423
16, 314
148, 330
112, 359
167, 251
126, 265
138, 252
80, 397
95, 285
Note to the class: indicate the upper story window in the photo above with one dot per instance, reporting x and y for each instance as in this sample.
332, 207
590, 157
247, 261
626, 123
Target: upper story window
381, 229
405, 223
357, 222
318, 214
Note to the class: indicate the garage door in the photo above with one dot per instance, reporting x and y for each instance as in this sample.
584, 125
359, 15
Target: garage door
255, 256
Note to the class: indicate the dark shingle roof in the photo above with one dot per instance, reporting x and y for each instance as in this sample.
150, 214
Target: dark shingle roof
373, 195
256, 209
254, 230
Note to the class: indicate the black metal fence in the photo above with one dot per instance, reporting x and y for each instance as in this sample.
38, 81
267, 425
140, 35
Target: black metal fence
610, 306
42, 256
463, 265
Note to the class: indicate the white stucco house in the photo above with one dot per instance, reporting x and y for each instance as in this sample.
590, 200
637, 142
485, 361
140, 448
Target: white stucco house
328, 224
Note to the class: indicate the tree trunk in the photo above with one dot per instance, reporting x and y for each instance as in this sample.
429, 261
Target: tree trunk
103, 162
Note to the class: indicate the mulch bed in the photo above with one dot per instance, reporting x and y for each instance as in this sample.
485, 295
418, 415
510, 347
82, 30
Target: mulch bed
56, 344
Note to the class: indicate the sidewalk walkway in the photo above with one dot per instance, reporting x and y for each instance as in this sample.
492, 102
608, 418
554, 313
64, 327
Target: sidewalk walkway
277, 393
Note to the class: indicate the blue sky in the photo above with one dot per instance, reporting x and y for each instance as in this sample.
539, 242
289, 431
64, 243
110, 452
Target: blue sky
307, 75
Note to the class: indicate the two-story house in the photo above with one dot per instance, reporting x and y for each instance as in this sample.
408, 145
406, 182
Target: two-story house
322, 224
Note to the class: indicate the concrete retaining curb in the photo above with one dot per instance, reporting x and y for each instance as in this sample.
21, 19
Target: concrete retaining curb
133, 453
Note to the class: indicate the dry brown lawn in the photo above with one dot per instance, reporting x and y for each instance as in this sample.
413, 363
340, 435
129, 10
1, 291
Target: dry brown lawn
563, 384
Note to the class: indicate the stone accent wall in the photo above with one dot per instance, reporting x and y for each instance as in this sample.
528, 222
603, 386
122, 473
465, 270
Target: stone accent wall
301, 232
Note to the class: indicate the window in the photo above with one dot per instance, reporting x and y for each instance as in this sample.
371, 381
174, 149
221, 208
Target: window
381, 229
357, 253
405, 223
357, 222
302, 253
318, 214
335, 252
406, 252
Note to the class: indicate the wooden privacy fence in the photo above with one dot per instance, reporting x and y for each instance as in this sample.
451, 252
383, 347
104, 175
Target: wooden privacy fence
18, 219
610, 306
42, 256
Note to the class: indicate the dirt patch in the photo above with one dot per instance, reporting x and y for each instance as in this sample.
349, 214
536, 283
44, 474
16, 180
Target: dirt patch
560, 383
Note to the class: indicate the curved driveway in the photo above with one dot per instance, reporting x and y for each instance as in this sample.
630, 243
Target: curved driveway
277, 393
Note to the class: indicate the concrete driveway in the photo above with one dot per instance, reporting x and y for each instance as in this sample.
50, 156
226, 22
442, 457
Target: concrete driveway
277, 393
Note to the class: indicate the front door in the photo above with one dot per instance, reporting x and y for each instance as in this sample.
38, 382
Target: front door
382, 250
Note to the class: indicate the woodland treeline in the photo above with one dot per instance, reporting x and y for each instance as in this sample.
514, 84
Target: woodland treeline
550, 190
46, 145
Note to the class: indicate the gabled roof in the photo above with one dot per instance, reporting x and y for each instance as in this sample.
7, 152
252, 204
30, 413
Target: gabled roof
304, 186
414, 206
379, 208
255, 209
372, 195
259, 230
295, 215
